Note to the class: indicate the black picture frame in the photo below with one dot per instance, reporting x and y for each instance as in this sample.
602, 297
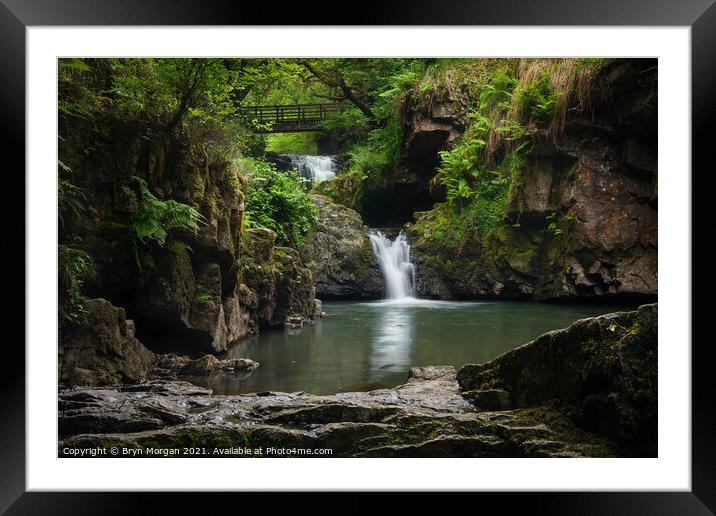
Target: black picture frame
699, 15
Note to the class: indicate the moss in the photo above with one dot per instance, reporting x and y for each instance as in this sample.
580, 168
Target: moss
565, 430
601, 353
345, 188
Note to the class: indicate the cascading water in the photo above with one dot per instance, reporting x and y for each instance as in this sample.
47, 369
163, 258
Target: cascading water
394, 261
313, 168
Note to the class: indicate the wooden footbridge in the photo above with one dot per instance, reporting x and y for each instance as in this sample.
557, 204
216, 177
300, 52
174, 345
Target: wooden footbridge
292, 118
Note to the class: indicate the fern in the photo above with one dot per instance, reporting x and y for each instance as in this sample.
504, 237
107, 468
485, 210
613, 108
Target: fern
70, 198
154, 218
75, 266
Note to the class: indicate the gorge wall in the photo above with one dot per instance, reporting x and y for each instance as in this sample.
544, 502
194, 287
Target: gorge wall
201, 289
581, 218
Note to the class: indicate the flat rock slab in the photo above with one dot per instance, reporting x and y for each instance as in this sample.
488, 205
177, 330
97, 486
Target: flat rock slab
425, 417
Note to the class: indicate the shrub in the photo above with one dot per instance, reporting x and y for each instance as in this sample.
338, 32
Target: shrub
278, 201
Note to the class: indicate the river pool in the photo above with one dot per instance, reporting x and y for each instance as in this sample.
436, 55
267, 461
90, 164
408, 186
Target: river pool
361, 346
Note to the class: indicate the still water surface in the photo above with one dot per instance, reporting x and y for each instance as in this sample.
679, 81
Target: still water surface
369, 345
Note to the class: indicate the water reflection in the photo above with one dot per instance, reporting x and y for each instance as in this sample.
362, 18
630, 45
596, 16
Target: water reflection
392, 341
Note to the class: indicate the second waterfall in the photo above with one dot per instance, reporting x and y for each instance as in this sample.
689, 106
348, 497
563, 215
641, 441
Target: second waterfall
394, 261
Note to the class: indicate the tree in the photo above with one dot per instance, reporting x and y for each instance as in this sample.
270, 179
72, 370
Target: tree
336, 74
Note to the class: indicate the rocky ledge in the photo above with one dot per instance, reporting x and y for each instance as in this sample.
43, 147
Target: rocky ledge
426, 417
601, 372
534, 401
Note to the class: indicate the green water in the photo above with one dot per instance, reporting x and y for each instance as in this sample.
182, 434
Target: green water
369, 345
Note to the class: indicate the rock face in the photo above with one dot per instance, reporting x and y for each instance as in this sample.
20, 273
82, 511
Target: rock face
427, 130
426, 417
596, 182
201, 290
273, 284
431, 129
601, 372
102, 349
345, 267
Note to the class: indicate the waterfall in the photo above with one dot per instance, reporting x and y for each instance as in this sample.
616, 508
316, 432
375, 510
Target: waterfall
313, 168
394, 261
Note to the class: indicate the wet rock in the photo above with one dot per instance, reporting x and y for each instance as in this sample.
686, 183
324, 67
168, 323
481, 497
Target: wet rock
489, 399
344, 265
239, 364
602, 371
202, 366
90, 422
208, 364
166, 411
102, 349
166, 388
426, 417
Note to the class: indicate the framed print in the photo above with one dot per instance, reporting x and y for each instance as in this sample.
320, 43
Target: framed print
384, 256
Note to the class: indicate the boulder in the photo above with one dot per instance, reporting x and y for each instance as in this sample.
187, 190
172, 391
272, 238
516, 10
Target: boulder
489, 399
274, 282
601, 371
344, 264
205, 365
202, 366
102, 349
239, 364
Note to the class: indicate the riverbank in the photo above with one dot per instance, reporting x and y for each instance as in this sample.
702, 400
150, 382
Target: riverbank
478, 411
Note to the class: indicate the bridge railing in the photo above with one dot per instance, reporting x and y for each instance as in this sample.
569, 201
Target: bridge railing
295, 115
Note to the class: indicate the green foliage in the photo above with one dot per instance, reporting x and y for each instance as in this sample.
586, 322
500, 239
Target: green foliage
201, 296
278, 201
292, 143
537, 101
498, 93
154, 218
346, 128
70, 198
346, 189
552, 227
201, 96
471, 185
74, 268
557, 225
371, 127
480, 172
